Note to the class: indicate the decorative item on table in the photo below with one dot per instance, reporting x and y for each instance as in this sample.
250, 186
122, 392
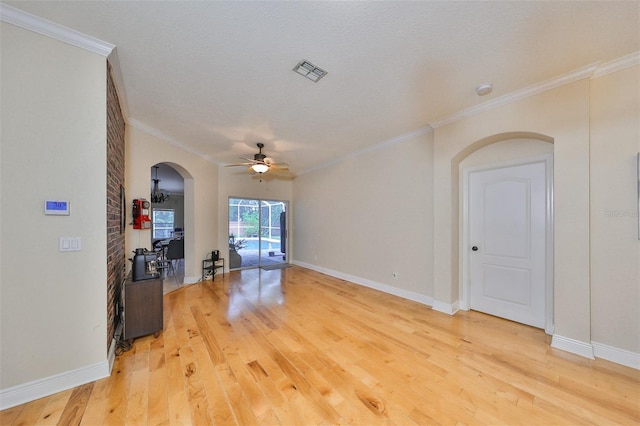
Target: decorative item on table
144, 265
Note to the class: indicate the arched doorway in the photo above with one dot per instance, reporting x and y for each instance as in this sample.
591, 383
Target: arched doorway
501, 154
168, 217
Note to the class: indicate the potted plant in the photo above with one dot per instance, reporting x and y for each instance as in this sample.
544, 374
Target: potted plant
235, 260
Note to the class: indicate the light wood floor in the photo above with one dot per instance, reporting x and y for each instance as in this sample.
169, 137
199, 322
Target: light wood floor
296, 347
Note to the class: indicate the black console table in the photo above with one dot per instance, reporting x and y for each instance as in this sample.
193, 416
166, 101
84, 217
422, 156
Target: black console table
210, 265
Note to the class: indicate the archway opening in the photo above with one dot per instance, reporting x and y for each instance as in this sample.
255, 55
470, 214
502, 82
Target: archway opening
167, 213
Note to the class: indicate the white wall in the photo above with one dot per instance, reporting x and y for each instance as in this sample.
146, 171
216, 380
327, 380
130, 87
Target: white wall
237, 182
370, 216
593, 125
615, 248
53, 305
143, 150
561, 114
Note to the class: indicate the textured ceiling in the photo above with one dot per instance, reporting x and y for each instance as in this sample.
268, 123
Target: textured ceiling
217, 76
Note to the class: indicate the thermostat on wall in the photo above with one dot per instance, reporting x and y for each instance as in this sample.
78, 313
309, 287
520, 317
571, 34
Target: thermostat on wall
56, 207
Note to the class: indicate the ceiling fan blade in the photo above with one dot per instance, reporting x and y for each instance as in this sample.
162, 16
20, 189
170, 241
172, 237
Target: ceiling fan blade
271, 162
239, 164
279, 166
280, 174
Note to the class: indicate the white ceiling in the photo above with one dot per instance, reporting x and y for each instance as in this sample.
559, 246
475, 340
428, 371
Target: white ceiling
217, 77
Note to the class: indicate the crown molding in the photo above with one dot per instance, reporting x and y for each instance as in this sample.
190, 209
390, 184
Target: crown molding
168, 139
22, 19
594, 70
579, 74
618, 64
376, 147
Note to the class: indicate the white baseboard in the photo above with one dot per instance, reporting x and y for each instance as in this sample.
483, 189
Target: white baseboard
446, 308
385, 288
617, 355
191, 280
111, 355
595, 350
571, 345
26, 392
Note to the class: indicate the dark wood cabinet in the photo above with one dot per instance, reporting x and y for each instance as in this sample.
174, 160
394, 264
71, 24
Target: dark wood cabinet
142, 308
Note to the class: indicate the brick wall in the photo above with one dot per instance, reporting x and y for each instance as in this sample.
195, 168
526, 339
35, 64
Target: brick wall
115, 180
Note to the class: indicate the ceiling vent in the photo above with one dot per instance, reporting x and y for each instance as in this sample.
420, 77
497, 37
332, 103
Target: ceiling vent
309, 70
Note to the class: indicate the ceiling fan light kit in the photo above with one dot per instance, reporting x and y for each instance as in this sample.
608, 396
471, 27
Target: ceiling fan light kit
260, 168
261, 163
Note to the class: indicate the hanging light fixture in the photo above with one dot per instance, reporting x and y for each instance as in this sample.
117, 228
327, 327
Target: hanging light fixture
260, 168
158, 196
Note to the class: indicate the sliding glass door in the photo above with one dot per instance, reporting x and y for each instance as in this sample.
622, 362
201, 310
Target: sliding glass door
257, 233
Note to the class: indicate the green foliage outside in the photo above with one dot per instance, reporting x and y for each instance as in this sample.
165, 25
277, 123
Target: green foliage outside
250, 219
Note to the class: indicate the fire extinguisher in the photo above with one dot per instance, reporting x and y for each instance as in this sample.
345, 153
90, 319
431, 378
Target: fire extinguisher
140, 214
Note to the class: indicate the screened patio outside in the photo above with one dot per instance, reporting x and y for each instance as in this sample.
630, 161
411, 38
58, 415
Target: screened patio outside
257, 232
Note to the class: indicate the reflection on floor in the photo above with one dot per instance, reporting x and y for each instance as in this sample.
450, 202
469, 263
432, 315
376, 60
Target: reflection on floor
252, 287
252, 257
173, 280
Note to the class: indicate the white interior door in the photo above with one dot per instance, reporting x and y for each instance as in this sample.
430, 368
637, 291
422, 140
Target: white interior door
507, 242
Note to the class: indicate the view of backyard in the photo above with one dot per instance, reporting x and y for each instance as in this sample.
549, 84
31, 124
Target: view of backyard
256, 228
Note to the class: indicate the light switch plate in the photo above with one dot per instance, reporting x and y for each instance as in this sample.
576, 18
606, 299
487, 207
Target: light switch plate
70, 243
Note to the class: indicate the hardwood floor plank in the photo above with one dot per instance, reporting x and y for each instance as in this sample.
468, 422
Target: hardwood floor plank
287, 364
95, 411
242, 410
178, 405
208, 352
158, 398
201, 412
77, 404
9, 416
138, 399
30, 413
54, 408
294, 346
228, 351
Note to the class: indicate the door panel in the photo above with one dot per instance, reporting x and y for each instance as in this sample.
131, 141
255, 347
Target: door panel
257, 232
506, 219
507, 208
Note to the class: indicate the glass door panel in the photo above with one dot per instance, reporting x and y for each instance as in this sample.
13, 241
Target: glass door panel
257, 232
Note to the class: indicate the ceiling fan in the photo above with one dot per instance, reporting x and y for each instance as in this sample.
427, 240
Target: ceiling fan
261, 163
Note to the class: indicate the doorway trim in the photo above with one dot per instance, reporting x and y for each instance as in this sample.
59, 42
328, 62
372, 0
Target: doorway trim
465, 282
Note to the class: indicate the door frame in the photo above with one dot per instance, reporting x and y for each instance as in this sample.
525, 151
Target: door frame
465, 258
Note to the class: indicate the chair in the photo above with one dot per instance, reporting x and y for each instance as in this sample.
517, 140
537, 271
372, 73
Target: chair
158, 249
175, 251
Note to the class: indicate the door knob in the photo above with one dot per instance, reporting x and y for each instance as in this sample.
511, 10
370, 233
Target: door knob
474, 248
